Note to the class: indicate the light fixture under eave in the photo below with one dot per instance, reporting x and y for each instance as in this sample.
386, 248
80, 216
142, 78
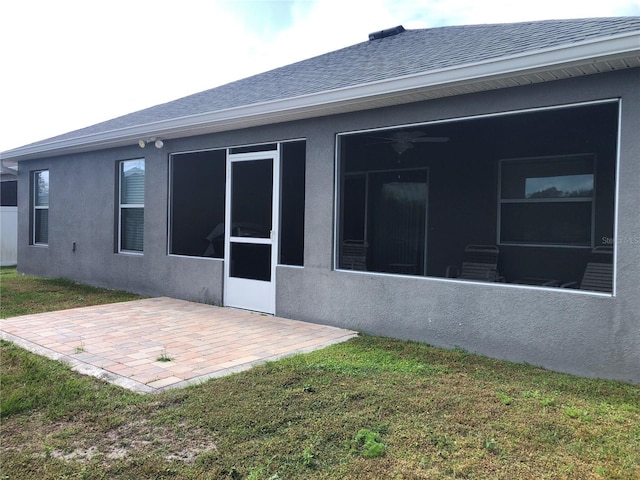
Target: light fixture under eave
158, 143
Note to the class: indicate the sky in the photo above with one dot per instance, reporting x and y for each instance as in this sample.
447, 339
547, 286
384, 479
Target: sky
68, 64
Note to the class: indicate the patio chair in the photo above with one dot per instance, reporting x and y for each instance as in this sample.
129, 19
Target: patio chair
598, 274
354, 255
479, 262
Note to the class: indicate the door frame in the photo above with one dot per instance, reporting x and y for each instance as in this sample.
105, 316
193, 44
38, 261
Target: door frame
257, 295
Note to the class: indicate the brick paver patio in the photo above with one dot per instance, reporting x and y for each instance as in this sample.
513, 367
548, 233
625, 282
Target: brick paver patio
123, 342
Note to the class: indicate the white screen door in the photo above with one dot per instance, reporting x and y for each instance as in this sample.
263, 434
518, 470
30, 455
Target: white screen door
251, 243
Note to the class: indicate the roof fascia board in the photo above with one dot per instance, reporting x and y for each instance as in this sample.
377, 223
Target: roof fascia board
327, 102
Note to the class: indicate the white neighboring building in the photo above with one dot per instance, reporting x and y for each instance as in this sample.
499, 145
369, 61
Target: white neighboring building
8, 217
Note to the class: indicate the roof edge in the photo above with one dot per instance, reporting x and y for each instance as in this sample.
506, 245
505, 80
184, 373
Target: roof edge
334, 101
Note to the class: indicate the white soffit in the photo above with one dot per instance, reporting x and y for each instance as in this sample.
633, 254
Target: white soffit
557, 63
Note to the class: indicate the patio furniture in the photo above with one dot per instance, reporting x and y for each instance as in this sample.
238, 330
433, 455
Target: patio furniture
354, 255
479, 262
598, 274
538, 282
403, 268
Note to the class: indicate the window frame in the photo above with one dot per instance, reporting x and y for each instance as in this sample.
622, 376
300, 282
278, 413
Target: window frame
124, 206
36, 207
550, 200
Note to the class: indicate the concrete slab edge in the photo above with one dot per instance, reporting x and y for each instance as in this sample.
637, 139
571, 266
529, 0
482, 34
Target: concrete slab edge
79, 366
247, 366
138, 387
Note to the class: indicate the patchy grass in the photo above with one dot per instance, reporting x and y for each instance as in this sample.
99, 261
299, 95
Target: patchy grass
369, 408
335, 413
25, 294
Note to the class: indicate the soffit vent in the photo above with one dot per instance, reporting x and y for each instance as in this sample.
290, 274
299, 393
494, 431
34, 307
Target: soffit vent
389, 32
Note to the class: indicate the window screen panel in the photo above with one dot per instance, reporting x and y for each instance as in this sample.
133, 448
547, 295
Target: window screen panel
563, 223
547, 201
40, 208
132, 182
292, 203
42, 188
132, 229
41, 226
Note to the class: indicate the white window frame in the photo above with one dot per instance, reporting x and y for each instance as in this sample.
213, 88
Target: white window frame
37, 208
123, 206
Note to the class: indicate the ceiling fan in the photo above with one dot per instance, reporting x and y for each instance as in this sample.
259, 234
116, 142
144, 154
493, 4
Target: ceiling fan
403, 140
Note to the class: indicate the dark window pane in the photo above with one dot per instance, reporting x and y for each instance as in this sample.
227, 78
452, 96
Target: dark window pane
265, 147
564, 186
132, 182
384, 221
132, 229
529, 214
41, 227
9, 193
561, 223
42, 188
398, 203
251, 198
251, 261
197, 203
354, 207
548, 177
292, 203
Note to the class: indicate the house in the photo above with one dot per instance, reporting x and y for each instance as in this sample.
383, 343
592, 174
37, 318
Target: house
8, 216
472, 186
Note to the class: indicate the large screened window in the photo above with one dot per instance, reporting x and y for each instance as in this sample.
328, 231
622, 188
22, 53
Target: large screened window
40, 214
521, 197
131, 207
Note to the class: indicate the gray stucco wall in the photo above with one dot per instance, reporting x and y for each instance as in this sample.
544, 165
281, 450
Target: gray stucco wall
572, 331
83, 209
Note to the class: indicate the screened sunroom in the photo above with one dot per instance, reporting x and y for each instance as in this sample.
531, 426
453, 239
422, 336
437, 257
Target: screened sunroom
523, 197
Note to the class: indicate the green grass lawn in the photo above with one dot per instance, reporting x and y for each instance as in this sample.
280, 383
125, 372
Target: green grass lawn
25, 294
369, 408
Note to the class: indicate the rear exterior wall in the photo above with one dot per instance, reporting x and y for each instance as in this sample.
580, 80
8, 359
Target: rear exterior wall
572, 331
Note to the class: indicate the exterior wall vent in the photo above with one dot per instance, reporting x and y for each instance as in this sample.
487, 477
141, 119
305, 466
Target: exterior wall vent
389, 32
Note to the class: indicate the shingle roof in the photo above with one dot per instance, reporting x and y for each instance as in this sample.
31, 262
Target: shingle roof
408, 53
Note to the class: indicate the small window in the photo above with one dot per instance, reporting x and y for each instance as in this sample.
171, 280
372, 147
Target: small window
131, 210
40, 219
547, 201
9, 193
